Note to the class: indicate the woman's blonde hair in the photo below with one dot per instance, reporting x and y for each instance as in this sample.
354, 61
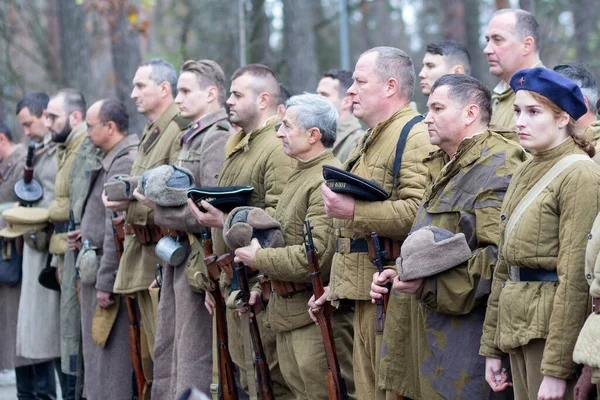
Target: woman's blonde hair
579, 140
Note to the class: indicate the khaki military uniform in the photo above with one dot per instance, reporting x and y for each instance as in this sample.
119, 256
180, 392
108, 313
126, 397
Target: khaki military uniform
11, 170
183, 347
254, 158
352, 272
429, 337
349, 132
299, 342
111, 363
537, 323
592, 133
160, 145
503, 112
38, 329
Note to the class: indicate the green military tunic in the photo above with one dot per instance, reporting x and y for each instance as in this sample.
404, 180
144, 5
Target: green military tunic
352, 273
348, 135
430, 337
255, 158
551, 235
592, 133
299, 342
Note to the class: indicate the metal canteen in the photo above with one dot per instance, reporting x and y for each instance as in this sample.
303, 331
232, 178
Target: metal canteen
170, 251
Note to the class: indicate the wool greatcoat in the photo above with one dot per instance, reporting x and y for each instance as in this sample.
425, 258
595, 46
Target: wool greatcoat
160, 145
352, 272
254, 158
183, 346
38, 329
552, 235
299, 342
431, 336
11, 170
108, 369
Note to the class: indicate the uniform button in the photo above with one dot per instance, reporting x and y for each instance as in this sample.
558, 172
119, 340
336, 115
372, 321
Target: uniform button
590, 236
588, 276
503, 285
503, 217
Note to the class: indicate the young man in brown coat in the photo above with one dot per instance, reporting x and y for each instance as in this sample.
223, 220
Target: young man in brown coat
106, 355
183, 347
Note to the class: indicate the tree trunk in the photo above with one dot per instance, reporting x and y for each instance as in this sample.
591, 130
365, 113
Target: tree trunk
584, 19
502, 4
258, 40
528, 5
125, 49
454, 21
300, 53
75, 52
479, 65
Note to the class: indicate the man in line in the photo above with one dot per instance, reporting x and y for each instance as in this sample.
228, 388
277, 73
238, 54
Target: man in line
384, 79
154, 87
183, 347
308, 133
334, 86
441, 58
38, 330
254, 157
105, 343
513, 43
65, 119
449, 283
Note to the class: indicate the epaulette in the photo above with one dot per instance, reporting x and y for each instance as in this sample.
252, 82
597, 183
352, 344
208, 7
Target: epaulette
181, 121
126, 151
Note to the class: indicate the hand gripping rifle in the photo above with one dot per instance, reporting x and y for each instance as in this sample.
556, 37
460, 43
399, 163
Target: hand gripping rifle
263, 375
382, 303
335, 381
135, 353
27, 189
227, 388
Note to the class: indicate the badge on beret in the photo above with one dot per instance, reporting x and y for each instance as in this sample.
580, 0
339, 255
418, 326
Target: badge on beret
341, 181
225, 198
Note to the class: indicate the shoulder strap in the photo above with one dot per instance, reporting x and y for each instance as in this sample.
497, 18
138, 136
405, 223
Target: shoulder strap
535, 191
401, 144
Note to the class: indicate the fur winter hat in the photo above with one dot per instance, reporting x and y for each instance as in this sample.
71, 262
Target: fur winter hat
429, 251
246, 223
166, 185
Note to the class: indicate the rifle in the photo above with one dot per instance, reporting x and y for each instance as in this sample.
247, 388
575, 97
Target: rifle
335, 380
227, 388
383, 302
135, 353
71, 227
261, 367
27, 189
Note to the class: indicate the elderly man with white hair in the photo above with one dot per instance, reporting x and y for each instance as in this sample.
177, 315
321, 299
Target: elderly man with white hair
308, 131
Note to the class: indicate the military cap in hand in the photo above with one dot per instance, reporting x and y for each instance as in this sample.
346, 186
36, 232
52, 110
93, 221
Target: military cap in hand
341, 181
246, 223
225, 198
22, 220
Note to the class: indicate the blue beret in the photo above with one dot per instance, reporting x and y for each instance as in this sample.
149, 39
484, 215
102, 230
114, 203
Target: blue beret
561, 90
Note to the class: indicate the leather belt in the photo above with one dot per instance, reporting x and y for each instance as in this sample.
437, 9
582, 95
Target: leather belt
288, 289
347, 245
172, 232
523, 274
61, 227
144, 234
596, 305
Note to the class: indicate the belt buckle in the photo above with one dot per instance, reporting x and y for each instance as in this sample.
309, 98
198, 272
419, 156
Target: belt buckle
514, 273
343, 245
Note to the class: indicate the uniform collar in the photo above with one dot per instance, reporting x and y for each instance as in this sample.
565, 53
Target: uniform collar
79, 130
204, 122
128, 141
311, 162
241, 140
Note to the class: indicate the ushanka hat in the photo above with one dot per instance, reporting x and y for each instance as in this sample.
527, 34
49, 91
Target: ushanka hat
341, 181
246, 223
561, 90
166, 185
225, 198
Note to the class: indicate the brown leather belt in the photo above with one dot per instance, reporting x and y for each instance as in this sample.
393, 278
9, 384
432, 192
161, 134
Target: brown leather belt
288, 289
172, 232
596, 305
144, 234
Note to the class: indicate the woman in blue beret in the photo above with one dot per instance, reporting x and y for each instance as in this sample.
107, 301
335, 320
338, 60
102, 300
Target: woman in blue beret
539, 296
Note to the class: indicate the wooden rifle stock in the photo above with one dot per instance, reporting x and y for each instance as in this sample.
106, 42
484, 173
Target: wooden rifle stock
227, 388
263, 375
135, 352
335, 381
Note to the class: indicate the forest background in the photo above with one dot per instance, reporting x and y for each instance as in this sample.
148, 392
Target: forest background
96, 45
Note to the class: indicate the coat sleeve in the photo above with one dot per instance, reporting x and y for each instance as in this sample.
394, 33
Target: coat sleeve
488, 347
290, 263
109, 263
579, 202
394, 218
278, 170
